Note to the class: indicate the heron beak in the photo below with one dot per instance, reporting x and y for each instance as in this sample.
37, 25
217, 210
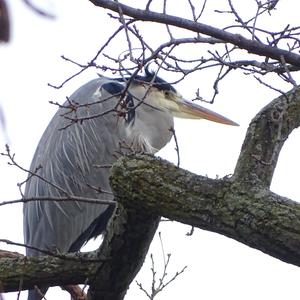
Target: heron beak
190, 110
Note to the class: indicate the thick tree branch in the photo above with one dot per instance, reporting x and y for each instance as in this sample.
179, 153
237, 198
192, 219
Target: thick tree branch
265, 137
255, 217
24, 272
241, 207
238, 40
121, 256
126, 243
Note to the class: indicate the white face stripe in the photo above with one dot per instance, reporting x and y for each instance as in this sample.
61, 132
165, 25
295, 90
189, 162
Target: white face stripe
163, 100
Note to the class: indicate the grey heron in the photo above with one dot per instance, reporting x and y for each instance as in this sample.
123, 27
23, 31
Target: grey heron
138, 115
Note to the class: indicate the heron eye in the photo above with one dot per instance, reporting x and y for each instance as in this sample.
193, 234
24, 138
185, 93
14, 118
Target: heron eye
167, 94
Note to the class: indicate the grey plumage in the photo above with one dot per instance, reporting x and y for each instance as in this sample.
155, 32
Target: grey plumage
67, 158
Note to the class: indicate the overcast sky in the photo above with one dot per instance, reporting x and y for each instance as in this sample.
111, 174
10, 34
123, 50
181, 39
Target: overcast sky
218, 267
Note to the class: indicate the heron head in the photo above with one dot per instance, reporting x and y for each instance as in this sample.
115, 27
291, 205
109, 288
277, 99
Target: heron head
159, 94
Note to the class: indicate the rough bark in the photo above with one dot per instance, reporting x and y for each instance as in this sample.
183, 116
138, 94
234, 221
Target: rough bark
109, 272
24, 272
255, 217
126, 243
241, 207
265, 137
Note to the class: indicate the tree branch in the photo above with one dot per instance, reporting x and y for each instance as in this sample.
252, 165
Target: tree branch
109, 273
251, 46
241, 207
24, 272
255, 217
129, 236
265, 137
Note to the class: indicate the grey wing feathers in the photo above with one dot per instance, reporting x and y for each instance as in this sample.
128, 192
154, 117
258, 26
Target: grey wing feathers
67, 159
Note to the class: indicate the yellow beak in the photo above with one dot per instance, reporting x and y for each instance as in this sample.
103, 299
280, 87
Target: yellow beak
190, 110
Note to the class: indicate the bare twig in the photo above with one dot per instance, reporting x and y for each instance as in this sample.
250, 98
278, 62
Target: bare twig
92, 62
62, 199
163, 282
268, 85
176, 145
122, 20
67, 256
13, 162
39, 11
167, 25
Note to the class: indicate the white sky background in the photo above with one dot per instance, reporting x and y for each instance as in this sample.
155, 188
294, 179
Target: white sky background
218, 267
